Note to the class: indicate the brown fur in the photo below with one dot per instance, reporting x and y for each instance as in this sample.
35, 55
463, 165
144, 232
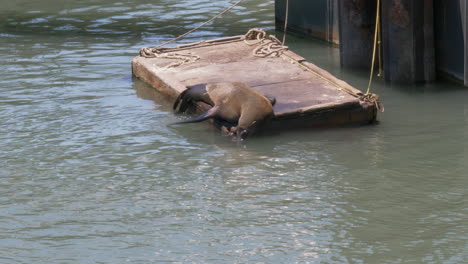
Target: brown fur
233, 102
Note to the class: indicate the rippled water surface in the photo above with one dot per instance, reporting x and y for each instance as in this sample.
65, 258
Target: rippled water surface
89, 172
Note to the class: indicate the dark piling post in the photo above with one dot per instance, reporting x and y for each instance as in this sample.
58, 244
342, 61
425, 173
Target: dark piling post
408, 41
462, 45
450, 38
314, 18
356, 20
464, 15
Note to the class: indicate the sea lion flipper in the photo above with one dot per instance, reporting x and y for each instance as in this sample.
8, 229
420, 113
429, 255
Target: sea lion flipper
198, 93
195, 93
207, 115
236, 103
179, 102
271, 98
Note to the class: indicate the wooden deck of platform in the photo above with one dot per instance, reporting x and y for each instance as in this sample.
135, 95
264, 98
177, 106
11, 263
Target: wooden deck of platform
306, 95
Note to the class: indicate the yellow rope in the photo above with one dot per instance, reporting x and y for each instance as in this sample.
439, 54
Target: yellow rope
304, 67
376, 36
285, 22
368, 97
379, 42
377, 39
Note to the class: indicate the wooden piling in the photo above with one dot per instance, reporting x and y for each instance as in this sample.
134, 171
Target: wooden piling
356, 20
408, 41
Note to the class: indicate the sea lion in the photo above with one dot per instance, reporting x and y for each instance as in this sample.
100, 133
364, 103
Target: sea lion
232, 102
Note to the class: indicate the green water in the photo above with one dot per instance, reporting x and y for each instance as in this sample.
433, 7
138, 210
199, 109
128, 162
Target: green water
89, 172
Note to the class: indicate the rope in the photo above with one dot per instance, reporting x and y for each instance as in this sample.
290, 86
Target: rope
304, 67
368, 97
376, 40
255, 34
158, 52
272, 45
380, 53
285, 22
200, 26
183, 58
276, 47
269, 46
149, 52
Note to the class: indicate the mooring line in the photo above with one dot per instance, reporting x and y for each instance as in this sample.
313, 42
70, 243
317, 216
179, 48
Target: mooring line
285, 22
200, 26
376, 40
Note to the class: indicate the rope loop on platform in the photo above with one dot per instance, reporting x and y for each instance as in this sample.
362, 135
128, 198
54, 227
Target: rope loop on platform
148, 52
269, 46
266, 45
254, 36
183, 58
372, 99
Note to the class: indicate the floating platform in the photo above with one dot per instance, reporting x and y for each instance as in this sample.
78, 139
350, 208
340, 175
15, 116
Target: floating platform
306, 95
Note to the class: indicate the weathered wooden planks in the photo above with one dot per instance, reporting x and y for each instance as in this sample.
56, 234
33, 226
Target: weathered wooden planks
306, 95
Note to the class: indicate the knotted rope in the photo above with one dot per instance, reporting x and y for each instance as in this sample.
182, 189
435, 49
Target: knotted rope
377, 44
266, 45
157, 52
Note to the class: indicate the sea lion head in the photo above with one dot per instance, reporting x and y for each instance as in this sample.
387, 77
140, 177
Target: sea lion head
256, 126
242, 134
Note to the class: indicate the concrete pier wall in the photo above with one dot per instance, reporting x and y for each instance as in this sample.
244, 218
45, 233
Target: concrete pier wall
356, 27
419, 38
408, 41
450, 31
317, 18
